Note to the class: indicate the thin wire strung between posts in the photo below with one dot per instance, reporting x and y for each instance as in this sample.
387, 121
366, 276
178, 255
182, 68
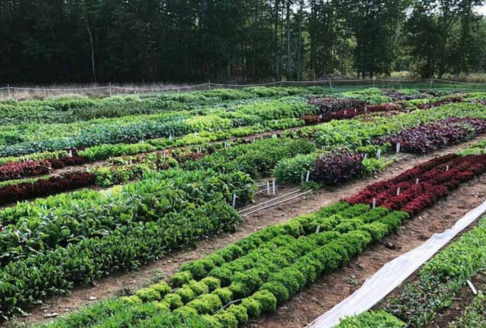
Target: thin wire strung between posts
210, 85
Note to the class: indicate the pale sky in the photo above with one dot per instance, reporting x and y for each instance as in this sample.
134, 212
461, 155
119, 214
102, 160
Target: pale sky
482, 10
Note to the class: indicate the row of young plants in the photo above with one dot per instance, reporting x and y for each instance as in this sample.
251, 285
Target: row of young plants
422, 301
263, 271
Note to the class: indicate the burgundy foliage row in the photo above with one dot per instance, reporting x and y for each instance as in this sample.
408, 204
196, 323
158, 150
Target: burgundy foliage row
436, 179
332, 105
426, 138
337, 167
46, 187
20, 170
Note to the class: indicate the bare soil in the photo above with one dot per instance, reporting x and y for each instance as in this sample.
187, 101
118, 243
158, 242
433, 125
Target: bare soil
325, 293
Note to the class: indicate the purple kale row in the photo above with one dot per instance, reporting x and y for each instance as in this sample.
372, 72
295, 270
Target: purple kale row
426, 138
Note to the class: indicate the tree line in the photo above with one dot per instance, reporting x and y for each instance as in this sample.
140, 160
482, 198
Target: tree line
47, 41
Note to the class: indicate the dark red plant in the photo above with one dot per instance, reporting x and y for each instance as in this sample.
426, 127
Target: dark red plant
424, 185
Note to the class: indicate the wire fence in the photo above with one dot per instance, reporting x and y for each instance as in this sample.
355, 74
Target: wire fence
329, 85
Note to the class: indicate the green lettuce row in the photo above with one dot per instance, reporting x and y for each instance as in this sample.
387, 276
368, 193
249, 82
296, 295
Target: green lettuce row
372, 319
224, 263
31, 280
285, 283
45, 224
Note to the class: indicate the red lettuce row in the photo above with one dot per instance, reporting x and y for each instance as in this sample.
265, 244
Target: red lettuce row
19, 170
439, 103
332, 105
422, 186
46, 187
425, 138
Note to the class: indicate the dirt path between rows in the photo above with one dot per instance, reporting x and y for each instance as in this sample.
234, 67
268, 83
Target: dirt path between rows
303, 308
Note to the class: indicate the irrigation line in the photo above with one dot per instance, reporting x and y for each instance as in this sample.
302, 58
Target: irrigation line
282, 202
269, 201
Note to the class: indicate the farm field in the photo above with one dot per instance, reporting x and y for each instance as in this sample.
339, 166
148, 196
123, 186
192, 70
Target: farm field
237, 208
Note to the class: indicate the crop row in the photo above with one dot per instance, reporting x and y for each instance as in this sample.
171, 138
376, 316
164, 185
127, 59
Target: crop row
420, 187
428, 137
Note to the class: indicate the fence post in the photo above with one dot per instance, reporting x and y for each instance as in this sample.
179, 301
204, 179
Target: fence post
111, 90
8, 91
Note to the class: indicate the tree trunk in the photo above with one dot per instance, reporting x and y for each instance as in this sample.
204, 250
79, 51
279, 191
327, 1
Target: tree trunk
93, 64
289, 58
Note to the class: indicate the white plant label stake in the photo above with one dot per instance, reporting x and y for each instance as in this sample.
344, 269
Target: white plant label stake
234, 200
268, 188
374, 202
475, 292
417, 181
318, 229
447, 168
398, 147
398, 192
307, 177
274, 187
378, 154
70, 153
